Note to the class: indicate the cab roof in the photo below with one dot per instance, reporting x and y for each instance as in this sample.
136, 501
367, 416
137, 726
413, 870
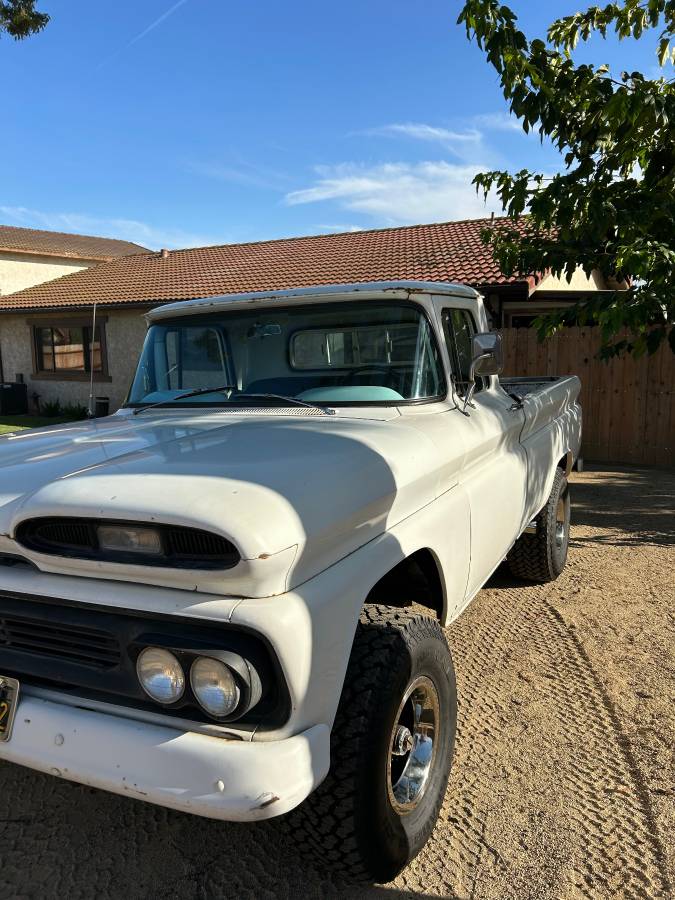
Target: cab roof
399, 290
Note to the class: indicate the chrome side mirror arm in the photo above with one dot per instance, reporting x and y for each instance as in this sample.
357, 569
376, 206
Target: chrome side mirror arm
469, 397
472, 384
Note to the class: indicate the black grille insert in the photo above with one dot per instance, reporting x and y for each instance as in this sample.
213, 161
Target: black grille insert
65, 533
89, 651
182, 548
186, 543
72, 643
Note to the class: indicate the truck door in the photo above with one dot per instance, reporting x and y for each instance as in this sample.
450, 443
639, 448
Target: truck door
494, 473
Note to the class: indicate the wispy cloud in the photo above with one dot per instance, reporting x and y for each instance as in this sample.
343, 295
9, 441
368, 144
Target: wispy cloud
399, 193
403, 192
500, 121
242, 172
465, 145
146, 31
143, 233
337, 228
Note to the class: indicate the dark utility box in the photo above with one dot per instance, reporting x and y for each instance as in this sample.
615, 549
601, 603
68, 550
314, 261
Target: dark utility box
13, 399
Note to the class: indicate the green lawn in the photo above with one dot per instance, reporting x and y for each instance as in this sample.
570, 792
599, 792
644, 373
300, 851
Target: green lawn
19, 423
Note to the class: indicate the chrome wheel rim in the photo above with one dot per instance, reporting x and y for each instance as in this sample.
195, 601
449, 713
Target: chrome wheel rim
561, 522
413, 745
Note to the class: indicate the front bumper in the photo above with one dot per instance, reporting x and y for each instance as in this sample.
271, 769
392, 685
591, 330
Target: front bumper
209, 776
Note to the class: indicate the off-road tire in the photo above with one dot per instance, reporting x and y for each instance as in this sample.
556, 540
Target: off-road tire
349, 823
541, 557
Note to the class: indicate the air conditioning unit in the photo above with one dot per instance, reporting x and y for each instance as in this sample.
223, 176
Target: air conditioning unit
13, 399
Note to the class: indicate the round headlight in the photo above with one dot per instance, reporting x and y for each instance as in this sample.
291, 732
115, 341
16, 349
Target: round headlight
160, 674
214, 686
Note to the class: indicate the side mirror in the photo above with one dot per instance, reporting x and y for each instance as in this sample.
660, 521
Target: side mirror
487, 355
487, 358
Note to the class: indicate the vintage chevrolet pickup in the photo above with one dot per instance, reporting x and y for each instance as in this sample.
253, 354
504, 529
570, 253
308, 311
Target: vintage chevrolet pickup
228, 597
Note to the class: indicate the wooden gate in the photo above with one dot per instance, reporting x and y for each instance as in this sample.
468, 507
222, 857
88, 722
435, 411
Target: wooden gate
628, 405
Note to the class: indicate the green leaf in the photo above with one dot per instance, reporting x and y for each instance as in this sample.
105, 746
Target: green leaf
664, 50
20, 19
611, 210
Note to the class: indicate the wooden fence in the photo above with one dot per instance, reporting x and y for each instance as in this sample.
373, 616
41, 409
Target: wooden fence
628, 405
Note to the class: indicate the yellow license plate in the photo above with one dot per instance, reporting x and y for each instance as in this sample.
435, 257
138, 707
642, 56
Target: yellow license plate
9, 698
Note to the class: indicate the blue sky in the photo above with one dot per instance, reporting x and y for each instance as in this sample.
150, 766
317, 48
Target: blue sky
190, 122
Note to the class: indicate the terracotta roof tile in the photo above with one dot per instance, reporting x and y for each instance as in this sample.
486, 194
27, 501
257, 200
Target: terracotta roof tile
450, 251
57, 243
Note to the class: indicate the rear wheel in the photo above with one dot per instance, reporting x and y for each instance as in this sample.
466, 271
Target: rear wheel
540, 553
391, 749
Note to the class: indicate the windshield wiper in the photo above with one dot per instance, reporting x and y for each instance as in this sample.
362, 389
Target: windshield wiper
242, 395
223, 389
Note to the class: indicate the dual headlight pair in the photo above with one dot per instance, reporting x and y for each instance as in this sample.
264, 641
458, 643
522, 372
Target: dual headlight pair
215, 685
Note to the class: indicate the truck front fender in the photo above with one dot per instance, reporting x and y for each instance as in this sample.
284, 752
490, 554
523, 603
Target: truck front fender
312, 627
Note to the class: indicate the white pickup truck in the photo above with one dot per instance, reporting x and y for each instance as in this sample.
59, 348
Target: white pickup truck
228, 597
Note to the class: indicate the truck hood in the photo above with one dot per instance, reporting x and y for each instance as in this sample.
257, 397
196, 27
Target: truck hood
294, 493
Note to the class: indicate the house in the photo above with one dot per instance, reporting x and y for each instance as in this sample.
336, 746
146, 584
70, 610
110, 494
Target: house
29, 256
46, 331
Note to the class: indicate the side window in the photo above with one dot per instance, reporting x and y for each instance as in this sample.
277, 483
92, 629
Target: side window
459, 331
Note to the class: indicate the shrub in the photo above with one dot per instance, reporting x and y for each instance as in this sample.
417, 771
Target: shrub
74, 411
51, 409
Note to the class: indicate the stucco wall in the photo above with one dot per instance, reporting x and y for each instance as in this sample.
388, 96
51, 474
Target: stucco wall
125, 331
580, 282
22, 270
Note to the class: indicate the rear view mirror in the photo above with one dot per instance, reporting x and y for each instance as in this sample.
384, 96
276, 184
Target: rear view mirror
487, 358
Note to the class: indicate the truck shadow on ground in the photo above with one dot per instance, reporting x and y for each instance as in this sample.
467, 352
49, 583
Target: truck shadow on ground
62, 839
641, 508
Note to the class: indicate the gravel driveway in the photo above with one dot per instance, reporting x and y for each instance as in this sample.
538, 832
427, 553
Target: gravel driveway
563, 784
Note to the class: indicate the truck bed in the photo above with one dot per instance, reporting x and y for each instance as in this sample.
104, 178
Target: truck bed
522, 387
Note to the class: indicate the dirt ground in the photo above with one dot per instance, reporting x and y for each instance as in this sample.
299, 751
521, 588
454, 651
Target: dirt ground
564, 778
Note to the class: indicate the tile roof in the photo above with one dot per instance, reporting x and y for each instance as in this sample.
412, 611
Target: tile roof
58, 243
450, 251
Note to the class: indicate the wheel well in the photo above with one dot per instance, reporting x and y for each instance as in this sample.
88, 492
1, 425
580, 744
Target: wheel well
415, 580
566, 462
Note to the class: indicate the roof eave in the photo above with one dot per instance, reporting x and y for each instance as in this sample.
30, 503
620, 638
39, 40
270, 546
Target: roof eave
61, 254
64, 308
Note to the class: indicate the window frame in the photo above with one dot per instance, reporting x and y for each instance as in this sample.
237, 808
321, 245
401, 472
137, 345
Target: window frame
39, 374
200, 318
223, 347
453, 352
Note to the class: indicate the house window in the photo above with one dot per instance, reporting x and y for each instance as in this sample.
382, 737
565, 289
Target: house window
69, 349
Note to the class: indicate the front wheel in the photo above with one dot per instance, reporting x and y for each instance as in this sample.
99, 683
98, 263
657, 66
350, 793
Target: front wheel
391, 749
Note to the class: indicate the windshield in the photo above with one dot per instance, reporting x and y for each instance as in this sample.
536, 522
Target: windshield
332, 354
